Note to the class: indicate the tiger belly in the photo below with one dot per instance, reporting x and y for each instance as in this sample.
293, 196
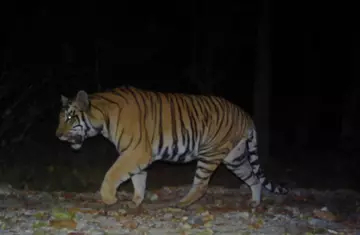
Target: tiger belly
174, 153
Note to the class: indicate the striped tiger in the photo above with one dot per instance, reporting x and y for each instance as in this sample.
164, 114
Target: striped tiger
147, 126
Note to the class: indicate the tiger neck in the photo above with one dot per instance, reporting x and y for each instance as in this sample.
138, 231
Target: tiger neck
101, 116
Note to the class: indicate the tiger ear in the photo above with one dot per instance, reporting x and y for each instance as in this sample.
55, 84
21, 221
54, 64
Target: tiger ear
64, 101
82, 100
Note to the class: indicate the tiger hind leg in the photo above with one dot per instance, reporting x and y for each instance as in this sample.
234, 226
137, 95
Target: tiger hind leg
204, 170
238, 162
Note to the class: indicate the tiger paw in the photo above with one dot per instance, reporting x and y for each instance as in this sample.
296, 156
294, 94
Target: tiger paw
137, 200
182, 204
253, 204
108, 193
108, 198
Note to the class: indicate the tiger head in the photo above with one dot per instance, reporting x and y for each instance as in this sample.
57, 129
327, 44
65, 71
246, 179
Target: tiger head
74, 121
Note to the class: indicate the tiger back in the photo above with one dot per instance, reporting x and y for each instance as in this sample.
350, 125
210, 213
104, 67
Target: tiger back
147, 126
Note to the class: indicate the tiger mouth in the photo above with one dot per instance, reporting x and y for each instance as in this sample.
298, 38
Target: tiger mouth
76, 146
76, 142
75, 139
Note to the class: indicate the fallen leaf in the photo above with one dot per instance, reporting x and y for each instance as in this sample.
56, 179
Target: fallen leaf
61, 214
39, 215
83, 210
130, 224
68, 195
300, 198
323, 214
71, 224
260, 209
39, 224
222, 209
39, 232
173, 210
256, 225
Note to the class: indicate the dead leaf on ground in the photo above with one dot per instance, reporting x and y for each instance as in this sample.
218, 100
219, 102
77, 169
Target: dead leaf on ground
59, 224
83, 210
130, 224
326, 215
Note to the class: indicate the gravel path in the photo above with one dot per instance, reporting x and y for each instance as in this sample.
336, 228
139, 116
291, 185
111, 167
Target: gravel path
221, 211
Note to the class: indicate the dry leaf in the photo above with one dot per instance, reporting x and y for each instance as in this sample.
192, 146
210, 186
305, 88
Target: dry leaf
326, 215
68, 195
258, 224
71, 224
83, 210
130, 224
300, 198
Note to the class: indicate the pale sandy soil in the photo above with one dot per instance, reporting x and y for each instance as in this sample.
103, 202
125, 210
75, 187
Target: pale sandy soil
221, 211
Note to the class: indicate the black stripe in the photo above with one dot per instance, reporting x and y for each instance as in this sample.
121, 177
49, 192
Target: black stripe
134, 94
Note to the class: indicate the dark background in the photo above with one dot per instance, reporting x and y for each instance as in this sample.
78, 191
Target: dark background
293, 66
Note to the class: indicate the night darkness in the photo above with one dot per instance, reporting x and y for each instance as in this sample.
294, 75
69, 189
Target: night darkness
293, 67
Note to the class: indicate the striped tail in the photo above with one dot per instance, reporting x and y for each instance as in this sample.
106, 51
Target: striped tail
255, 164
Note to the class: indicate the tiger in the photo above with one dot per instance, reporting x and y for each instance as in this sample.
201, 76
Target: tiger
147, 126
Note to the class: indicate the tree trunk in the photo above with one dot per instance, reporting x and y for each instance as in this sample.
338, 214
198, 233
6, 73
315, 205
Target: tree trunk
349, 114
97, 67
202, 71
193, 72
262, 84
351, 101
302, 128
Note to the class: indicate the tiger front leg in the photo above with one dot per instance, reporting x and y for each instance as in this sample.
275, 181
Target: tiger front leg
128, 165
139, 184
